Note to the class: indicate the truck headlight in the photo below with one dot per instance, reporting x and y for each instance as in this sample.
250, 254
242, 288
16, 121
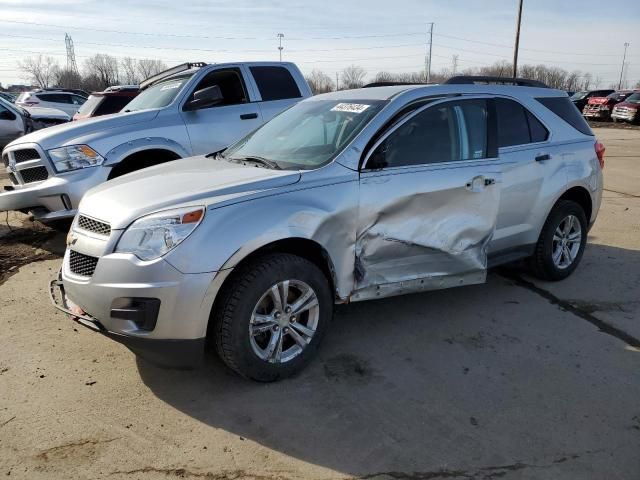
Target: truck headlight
152, 236
74, 157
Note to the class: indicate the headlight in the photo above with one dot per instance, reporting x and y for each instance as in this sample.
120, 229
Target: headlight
152, 236
74, 157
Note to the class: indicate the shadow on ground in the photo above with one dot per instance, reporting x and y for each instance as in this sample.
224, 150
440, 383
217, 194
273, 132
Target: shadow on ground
478, 381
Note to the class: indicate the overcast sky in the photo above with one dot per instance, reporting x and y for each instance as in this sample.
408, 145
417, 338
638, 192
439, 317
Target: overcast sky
585, 35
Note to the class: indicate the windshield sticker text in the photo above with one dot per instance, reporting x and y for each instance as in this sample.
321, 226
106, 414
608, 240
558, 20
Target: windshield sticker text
169, 87
350, 107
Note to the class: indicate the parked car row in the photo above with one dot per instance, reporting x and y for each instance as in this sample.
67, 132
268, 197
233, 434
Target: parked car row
608, 105
292, 203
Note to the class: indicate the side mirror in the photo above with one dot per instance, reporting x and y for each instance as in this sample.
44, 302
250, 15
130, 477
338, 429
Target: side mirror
7, 115
207, 97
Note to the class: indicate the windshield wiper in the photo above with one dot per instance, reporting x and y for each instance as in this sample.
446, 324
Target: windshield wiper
261, 161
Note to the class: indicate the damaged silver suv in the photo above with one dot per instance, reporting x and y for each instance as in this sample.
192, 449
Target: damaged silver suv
348, 196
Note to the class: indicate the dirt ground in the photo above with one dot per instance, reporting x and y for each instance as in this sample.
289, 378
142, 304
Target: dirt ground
514, 379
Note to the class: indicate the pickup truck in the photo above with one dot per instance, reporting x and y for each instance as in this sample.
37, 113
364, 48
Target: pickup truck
601, 107
188, 110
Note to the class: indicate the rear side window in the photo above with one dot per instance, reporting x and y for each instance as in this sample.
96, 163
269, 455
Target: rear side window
54, 97
90, 105
112, 104
275, 83
567, 111
537, 131
513, 128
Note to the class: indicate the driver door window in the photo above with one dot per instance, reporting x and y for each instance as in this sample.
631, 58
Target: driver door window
447, 132
230, 83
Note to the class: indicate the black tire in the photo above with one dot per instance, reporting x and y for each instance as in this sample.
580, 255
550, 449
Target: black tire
541, 263
241, 294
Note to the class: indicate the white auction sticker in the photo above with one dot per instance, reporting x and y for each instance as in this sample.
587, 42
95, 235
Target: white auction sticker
350, 107
171, 86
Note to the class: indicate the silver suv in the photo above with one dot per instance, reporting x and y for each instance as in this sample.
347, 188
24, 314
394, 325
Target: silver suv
190, 109
348, 196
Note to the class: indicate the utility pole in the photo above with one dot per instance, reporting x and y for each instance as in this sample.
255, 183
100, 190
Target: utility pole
454, 64
624, 57
71, 55
337, 84
280, 47
517, 45
427, 60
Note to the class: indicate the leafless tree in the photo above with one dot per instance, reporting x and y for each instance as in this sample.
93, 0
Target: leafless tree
68, 79
320, 82
105, 67
148, 67
41, 70
129, 68
352, 77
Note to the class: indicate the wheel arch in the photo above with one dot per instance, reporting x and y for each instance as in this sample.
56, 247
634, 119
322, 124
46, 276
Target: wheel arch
581, 196
142, 158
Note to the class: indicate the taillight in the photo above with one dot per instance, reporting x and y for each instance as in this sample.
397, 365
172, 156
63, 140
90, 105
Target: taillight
599, 147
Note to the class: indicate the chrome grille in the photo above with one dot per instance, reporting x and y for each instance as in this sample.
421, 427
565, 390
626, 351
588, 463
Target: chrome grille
13, 179
36, 174
81, 264
25, 155
95, 226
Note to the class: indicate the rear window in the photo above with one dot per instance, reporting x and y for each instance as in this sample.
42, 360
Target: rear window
112, 104
567, 111
54, 97
90, 105
275, 83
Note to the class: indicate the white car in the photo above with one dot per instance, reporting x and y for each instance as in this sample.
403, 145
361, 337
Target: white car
66, 100
16, 121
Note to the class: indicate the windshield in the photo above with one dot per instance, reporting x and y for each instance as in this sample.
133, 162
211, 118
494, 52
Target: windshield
308, 135
635, 98
579, 95
13, 108
159, 95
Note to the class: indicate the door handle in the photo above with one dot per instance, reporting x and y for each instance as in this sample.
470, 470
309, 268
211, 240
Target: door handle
248, 116
541, 157
489, 181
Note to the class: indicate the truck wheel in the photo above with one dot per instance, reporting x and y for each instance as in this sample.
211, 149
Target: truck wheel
561, 242
272, 316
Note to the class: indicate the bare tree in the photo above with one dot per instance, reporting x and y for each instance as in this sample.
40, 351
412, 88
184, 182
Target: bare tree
105, 67
68, 79
148, 68
320, 82
41, 69
352, 77
129, 69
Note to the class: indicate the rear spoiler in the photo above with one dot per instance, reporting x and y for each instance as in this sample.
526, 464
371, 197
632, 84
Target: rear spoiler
169, 72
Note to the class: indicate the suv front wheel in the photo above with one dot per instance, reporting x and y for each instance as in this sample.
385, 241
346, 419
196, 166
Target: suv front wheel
561, 242
271, 316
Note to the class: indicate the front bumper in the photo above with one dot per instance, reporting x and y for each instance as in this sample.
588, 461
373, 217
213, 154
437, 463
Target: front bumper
596, 113
166, 353
627, 114
55, 197
173, 335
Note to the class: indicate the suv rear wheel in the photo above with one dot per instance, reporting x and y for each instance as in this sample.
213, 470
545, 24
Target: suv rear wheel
272, 315
561, 243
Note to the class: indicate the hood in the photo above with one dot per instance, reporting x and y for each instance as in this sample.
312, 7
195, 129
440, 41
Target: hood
598, 100
628, 105
73, 132
191, 181
38, 113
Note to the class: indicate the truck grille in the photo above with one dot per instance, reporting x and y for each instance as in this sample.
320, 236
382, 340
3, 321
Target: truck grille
81, 264
25, 155
36, 174
95, 226
13, 179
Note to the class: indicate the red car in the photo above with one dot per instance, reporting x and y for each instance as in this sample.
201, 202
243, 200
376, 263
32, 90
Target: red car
111, 100
601, 107
629, 110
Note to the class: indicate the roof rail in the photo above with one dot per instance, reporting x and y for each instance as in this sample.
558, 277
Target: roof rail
171, 71
473, 79
392, 84
60, 89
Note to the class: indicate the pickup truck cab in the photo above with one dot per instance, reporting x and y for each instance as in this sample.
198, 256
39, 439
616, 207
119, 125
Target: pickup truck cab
191, 109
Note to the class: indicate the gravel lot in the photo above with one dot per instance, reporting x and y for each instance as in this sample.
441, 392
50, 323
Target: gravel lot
514, 379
